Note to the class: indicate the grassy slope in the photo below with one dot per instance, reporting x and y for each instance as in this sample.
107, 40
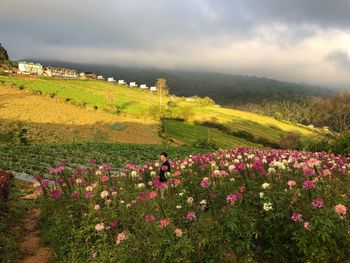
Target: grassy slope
136, 102
188, 133
52, 121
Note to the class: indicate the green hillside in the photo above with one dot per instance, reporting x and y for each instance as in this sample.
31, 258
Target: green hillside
133, 102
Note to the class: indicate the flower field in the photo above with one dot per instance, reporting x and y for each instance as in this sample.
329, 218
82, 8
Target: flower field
240, 205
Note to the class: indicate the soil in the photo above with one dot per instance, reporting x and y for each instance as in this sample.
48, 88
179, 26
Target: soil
32, 249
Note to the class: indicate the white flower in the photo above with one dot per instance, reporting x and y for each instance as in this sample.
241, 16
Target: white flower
122, 201
36, 184
182, 167
203, 202
156, 164
261, 194
141, 186
104, 194
108, 202
190, 160
150, 168
265, 185
190, 200
128, 205
99, 227
239, 157
97, 207
133, 174
271, 170
178, 207
267, 206
232, 179
216, 172
231, 167
153, 173
181, 194
236, 161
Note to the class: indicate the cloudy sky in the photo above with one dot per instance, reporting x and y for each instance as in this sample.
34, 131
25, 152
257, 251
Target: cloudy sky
295, 40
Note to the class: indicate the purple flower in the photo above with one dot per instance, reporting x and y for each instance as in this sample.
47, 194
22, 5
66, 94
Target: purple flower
296, 217
309, 185
317, 202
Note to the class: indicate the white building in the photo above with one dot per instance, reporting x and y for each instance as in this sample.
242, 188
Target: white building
143, 86
132, 84
100, 77
30, 68
153, 88
111, 80
121, 82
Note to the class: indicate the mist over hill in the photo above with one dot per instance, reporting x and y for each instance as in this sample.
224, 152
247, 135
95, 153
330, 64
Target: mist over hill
225, 89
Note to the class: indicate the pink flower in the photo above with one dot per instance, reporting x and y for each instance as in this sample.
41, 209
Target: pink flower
340, 209
308, 185
317, 203
297, 217
231, 198
163, 223
113, 224
164, 168
56, 193
205, 183
104, 178
149, 218
291, 183
178, 232
89, 194
191, 216
306, 225
98, 172
152, 194
106, 167
59, 180
121, 236
75, 195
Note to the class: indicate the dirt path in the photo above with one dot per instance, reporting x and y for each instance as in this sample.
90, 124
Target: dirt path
32, 250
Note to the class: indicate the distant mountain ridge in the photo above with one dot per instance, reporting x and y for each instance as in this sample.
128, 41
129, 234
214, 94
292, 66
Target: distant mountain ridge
225, 89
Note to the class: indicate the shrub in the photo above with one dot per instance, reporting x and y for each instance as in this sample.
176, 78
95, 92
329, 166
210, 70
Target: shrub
291, 140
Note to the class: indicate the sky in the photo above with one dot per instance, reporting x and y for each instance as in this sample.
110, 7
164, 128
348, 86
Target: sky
294, 40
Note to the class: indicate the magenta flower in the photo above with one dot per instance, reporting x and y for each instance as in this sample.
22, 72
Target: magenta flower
165, 168
297, 217
309, 185
191, 216
56, 193
163, 223
89, 194
58, 180
149, 218
75, 195
317, 202
231, 198
106, 167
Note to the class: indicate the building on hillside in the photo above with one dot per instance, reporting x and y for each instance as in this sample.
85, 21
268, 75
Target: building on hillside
143, 86
30, 68
60, 72
153, 88
121, 82
100, 77
112, 80
132, 84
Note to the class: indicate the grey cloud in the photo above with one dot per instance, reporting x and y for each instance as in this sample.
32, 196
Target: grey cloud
341, 59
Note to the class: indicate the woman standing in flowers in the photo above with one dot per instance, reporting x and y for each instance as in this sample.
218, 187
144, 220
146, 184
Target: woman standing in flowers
165, 167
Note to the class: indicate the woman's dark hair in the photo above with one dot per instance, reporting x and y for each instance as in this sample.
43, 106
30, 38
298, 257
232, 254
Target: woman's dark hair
164, 154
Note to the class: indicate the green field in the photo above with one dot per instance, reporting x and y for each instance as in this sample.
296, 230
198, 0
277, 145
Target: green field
38, 159
188, 133
137, 103
96, 93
